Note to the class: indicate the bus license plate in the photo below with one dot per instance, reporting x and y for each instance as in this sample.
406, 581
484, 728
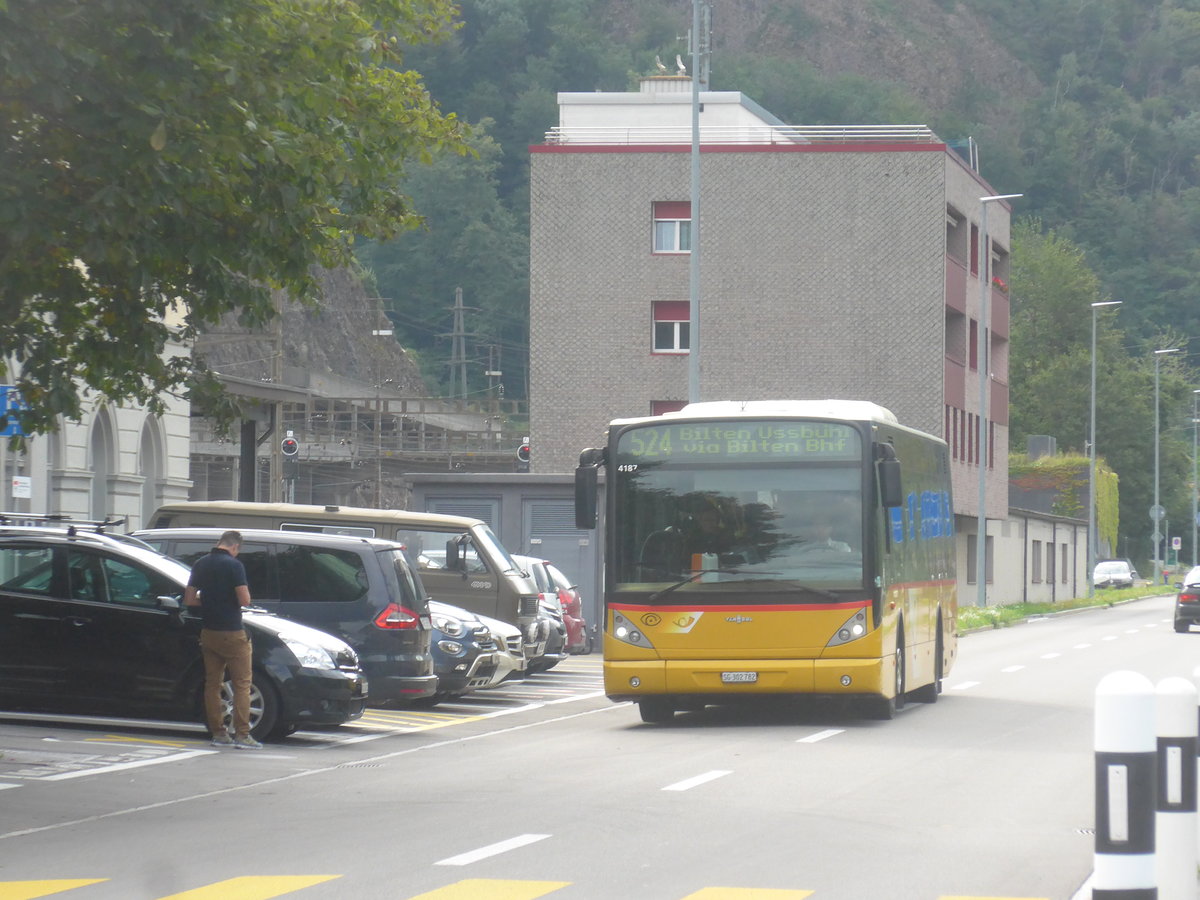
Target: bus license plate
739, 677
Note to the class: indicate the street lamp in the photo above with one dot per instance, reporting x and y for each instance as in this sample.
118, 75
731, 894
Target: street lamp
1195, 483
1092, 543
1156, 511
985, 287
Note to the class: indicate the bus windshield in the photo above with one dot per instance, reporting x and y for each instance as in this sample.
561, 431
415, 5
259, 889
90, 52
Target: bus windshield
743, 506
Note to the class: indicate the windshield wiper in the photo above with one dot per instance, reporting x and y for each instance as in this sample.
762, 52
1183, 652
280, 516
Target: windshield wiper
689, 580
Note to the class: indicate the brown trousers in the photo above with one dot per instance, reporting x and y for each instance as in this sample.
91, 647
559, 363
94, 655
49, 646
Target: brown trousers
226, 650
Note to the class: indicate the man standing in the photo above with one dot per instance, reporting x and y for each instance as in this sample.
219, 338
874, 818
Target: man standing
218, 587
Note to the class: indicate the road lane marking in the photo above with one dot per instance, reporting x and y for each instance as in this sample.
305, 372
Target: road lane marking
1081, 646
820, 736
28, 890
252, 887
493, 889
689, 783
464, 859
118, 767
964, 685
1051, 655
307, 773
1012, 669
725, 893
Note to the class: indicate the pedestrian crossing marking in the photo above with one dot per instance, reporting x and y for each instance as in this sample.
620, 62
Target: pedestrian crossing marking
269, 886
28, 890
252, 887
492, 889
726, 893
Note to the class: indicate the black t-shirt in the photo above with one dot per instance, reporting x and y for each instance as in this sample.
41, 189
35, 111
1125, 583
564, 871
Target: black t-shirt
216, 576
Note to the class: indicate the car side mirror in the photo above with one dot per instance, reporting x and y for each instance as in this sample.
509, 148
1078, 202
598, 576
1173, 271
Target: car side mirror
169, 603
1179, 585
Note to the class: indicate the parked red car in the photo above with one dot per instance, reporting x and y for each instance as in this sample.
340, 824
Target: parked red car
578, 638
554, 585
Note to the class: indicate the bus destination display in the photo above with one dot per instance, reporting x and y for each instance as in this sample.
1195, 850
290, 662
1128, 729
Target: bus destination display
763, 441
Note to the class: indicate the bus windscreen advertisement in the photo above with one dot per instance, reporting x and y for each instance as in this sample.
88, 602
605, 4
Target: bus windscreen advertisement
745, 442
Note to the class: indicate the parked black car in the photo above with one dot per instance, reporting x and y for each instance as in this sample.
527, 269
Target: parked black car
92, 624
361, 589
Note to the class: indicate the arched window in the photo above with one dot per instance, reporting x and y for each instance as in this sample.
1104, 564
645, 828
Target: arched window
103, 453
150, 467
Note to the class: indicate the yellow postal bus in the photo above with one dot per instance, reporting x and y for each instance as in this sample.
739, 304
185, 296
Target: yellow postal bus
791, 547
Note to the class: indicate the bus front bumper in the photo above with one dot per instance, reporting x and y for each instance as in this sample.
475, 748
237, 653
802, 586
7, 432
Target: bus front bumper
716, 678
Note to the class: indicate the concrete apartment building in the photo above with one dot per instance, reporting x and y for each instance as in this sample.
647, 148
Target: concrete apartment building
834, 262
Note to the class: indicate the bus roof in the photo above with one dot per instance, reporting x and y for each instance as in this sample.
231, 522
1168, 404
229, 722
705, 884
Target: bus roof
855, 410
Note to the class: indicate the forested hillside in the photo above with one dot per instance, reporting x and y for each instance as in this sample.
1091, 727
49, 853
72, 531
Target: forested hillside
1090, 109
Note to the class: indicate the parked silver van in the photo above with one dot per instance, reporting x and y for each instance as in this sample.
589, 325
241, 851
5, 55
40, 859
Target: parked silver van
460, 559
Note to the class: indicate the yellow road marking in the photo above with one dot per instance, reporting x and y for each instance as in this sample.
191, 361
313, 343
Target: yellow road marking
125, 739
28, 890
492, 889
726, 893
252, 887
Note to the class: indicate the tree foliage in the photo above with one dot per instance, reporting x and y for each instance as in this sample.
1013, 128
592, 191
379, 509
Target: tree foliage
1050, 380
163, 161
470, 240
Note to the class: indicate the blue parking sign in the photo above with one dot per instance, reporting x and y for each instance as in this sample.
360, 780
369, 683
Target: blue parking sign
10, 402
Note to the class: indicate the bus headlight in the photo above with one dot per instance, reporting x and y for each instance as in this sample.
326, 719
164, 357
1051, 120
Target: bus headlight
853, 628
626, 632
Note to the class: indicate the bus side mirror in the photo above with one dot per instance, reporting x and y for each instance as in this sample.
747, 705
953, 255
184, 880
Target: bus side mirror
586, 479
890, 493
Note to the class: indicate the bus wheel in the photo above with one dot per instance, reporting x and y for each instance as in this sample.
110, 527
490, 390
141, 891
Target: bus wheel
928, 693
656, 710
886, 707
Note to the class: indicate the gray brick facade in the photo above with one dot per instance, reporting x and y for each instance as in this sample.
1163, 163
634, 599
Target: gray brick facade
823, 274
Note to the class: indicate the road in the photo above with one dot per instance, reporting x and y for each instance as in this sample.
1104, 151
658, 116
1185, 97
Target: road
555, 791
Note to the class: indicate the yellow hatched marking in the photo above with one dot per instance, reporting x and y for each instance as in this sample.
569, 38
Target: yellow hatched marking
126, 739
252, 887
492, 889
727, 893
422, 721
28, 890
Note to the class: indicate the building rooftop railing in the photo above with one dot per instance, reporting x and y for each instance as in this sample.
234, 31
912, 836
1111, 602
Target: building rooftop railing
742, 134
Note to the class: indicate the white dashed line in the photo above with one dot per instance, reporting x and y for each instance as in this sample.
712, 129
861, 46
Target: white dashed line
1081, 646
1051, 655
820, 736
963, 685
1012, 669
690, 783
464, 859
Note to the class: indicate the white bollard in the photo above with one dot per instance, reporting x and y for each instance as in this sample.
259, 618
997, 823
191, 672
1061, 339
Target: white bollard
1126, 764
1175, 815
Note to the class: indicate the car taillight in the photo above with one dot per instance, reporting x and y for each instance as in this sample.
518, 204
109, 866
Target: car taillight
1190, 597
396, 617
565, 599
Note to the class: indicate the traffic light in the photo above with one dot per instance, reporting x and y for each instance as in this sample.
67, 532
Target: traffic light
290, 447
523, 452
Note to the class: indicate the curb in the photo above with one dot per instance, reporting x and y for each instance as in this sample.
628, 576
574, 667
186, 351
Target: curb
1064, 612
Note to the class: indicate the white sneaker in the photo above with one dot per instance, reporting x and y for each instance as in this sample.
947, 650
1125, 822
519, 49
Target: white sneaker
222, 739
245, 742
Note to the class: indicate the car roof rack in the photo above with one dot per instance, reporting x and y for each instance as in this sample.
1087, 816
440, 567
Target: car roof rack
72, 524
